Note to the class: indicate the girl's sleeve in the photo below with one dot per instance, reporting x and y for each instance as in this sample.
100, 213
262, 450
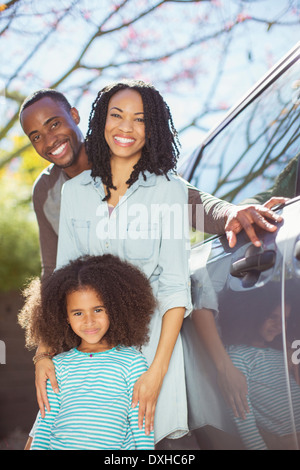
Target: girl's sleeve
142, 441
67, 249
247, 428
43, 426
248, 431
174, 288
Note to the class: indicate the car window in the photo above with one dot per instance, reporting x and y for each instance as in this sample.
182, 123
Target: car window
253, 150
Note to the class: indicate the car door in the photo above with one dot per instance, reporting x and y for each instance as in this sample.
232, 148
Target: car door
252, 294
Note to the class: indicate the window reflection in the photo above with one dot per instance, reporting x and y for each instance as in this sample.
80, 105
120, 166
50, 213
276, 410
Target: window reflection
248, 155
252, 328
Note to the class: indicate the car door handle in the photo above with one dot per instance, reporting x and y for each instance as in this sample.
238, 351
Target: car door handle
254, 263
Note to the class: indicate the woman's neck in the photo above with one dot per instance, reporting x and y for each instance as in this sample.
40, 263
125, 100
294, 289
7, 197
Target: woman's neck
121, 170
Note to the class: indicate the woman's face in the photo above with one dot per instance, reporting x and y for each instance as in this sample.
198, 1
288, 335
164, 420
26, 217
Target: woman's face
125, 125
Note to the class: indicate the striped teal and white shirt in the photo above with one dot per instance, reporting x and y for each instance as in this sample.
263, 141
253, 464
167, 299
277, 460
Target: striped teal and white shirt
93, 407
268, 396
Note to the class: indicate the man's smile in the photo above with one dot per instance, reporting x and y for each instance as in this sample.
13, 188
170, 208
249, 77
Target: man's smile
59, 150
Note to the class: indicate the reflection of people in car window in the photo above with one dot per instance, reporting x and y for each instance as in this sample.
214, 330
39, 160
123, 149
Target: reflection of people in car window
252, 332
285, 184
211, 378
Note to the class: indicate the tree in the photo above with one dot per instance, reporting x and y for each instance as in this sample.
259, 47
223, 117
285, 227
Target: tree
201, 54
183, 46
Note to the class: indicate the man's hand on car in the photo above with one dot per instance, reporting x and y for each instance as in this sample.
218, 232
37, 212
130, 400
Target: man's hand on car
244, 217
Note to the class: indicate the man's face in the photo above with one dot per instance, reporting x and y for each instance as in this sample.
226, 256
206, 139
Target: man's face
53, 131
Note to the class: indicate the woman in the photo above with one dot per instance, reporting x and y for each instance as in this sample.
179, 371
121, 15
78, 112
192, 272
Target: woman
131, 204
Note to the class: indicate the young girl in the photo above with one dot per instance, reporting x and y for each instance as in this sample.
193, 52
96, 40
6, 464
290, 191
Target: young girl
100, 307
133, 205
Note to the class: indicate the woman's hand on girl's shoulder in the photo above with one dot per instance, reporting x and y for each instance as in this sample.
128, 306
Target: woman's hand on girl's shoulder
44, 370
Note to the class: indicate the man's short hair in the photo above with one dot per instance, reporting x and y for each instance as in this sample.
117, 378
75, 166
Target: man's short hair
45, 93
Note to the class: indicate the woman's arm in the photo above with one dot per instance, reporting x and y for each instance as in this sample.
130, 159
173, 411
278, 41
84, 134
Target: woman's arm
143, 440
147, 387
231, 380
174, 296
42, 433
44, 370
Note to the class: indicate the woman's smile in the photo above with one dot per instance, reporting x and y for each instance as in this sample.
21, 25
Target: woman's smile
123, 141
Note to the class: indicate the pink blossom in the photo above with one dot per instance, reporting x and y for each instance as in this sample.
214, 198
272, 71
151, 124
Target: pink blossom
86, 14
222, 105
216, 3
131, 32
228, 26
115, 7
242, 17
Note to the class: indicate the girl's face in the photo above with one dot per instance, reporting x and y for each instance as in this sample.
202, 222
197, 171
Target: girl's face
125, 126
88, 319
272, 326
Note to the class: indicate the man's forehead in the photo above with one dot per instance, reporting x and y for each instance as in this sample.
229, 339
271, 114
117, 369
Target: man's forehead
41, 111
45, 104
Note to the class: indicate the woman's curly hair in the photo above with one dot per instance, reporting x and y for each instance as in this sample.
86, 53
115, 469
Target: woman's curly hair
161, 149
123, 288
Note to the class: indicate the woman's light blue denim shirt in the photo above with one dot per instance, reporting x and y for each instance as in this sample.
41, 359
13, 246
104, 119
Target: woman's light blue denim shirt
148, 227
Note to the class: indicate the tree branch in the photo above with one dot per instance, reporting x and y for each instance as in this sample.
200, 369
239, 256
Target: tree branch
6, 6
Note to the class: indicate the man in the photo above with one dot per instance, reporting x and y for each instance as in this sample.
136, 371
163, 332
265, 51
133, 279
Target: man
286, 184
51, 124
52, 127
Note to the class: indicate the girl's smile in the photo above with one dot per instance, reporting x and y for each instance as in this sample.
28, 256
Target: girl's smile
88, 319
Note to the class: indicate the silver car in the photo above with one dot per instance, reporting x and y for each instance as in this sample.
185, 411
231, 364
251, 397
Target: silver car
242, 342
